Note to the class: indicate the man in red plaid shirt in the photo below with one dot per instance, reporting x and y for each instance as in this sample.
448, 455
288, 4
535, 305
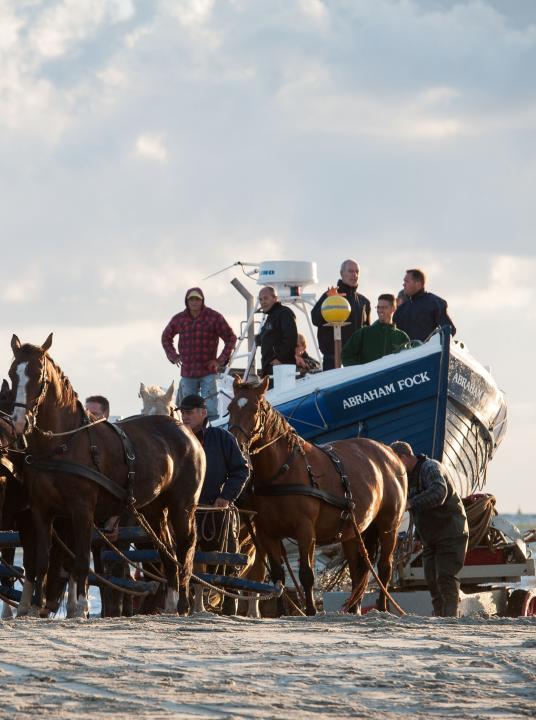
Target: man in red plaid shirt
199, 329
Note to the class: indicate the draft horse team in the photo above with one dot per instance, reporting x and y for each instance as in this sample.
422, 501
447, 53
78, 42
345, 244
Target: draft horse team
69, 474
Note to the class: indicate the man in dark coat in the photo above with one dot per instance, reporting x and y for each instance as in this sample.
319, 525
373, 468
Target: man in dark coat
359, 316
440, 521
279, 334
422, 312
226, 475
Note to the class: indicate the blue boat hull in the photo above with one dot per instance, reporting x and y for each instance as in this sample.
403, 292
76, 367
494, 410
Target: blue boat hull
443, 403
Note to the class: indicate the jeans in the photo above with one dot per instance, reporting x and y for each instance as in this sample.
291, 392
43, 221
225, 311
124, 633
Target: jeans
204, 386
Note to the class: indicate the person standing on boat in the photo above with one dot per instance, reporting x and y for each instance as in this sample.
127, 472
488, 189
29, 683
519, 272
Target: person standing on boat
279, 334
422, 312
441, 524
374, 341
199, 329
359, 315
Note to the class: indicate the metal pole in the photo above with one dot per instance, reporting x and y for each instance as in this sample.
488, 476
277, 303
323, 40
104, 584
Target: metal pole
250, 303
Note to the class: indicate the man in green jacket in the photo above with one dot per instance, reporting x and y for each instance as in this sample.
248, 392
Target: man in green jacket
381, 338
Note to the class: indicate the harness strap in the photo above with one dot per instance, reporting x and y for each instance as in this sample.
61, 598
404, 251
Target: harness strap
130, 459
278, 490
71, 468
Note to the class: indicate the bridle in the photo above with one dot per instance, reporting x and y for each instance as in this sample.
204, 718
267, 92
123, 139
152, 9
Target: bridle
32, 411
257, 433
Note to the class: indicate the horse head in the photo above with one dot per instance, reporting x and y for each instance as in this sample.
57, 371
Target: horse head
29, 380
246, 411
156, 400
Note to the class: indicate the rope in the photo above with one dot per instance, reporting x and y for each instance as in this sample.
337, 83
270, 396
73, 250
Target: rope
148, 529
479, 515
102, 579
50, 434
363, 550
110, 544
291, 572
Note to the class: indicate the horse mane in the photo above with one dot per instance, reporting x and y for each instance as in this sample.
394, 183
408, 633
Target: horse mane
277, 425
65, 390
155, 391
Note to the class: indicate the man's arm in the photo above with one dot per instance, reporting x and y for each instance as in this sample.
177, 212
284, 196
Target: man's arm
443, 317
351, 351
316, 313
229, 338
170, 331
435, 490
236, 466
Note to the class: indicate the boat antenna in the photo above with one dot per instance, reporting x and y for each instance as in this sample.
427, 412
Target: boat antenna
242, 265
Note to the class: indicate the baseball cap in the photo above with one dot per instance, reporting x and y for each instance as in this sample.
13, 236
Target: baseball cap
190, 402
194, 294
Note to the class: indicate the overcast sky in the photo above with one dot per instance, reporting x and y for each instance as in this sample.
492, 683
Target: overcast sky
144, 145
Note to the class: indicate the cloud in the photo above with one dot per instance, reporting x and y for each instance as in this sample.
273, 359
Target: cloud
151, 147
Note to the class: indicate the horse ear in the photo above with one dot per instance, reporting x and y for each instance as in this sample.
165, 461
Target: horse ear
15, 343
263, 387
47, 344
142, 391
170, 391
5, 387
237, 381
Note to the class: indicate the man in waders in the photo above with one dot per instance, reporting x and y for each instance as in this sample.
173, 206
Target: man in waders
441, 524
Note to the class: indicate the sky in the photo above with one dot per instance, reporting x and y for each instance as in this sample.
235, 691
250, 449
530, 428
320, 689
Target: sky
144, 146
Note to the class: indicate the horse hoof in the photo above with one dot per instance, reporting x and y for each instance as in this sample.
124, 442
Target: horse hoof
310, 612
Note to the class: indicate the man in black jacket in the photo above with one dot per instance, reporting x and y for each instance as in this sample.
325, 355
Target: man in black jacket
226, 475
279, 334
422, 312
440, 521
359, 316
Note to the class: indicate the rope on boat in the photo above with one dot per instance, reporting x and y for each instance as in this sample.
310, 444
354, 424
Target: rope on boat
479, 515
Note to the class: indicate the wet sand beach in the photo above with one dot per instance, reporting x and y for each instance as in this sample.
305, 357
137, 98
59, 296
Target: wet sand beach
332, 666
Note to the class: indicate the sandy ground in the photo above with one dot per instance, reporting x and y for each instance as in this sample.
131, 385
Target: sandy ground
331, 666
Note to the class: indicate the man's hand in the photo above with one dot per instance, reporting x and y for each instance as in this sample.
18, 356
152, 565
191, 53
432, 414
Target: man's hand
111, 528
276, 362
213, 366
221, 502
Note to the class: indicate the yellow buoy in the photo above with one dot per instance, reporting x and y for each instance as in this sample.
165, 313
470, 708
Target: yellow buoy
335, 309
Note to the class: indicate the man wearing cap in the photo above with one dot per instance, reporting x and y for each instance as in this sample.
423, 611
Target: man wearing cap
225, 477
441, 524
359, 315
199, 329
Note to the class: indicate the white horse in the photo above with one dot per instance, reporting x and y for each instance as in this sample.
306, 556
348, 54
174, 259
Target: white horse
156, 400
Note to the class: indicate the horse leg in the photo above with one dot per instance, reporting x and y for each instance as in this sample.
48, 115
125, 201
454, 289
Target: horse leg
42, 524
359, 570
82, 527
27, 536
184, 528
385, 563
306, 547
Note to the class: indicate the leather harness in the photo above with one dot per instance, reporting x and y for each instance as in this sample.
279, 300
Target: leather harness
48, 464
346, 503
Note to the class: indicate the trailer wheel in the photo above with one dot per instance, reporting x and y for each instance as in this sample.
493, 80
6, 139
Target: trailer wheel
521, 603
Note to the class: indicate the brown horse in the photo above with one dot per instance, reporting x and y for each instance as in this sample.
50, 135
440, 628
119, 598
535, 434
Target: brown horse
164, 481
302, 492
